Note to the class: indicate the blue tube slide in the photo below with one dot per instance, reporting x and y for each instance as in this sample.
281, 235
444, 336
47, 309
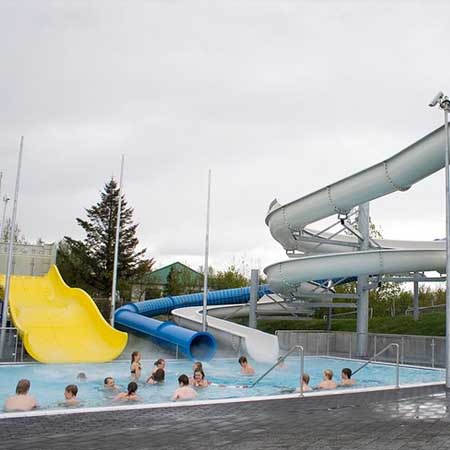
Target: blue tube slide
194, 345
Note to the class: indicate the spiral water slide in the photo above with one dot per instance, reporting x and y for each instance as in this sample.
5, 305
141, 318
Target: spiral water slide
339, 256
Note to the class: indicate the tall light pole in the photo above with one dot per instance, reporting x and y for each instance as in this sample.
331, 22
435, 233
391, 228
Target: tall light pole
116, 247
205, 271
444, 103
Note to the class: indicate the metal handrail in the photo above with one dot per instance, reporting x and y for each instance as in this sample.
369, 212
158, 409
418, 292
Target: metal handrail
397, 362
280, 360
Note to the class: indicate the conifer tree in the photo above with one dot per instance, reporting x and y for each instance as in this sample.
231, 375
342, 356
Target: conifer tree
91, 260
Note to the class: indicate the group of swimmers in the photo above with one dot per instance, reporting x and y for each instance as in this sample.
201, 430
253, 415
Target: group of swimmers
187, 386
328, 383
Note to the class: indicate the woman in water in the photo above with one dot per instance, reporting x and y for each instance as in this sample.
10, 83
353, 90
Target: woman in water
135, 368
199, 379
157, 377
131, 394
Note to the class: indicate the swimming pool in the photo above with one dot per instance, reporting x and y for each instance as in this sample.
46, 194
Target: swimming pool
48, 381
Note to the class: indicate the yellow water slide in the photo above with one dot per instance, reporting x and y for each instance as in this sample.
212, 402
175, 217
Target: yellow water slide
60, 324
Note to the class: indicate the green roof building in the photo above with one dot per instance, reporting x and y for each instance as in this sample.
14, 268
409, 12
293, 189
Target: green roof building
174, 279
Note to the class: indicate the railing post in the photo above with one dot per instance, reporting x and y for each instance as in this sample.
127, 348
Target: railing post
328, 344
374, 347
350, 346
403, 350
432, 352
176, 352
397, 372
16, 337
302, 363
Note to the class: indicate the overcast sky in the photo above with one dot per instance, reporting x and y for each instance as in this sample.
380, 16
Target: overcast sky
277, 98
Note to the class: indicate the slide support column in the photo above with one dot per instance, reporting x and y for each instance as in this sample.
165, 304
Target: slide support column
254, 286
362, 321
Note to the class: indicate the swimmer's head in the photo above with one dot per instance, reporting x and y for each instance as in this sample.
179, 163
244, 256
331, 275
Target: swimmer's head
183, 380
82, 376
108, 382
305, 378
328, 374
199, 375
23, 386
71, 391
160, 363
159, 375
243, 360
197, 365
346, 373
132, 388
135, 357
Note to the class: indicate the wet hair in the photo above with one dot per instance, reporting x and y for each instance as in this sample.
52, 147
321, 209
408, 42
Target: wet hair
132, 388
183, 379
133, 355
242, 360
105, 381
328, 373
81, 376
158, 362
198, 365
348, 372
201, 372
23, 386
158, 375
305, 378
73, 389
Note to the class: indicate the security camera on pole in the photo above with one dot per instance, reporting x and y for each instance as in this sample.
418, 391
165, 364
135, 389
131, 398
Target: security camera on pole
444, 103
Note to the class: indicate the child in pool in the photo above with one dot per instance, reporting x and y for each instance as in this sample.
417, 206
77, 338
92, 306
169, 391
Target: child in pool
135, 367
184, 392
246, 368
131, 394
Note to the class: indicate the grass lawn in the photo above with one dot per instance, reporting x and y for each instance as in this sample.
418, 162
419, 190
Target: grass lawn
427, 325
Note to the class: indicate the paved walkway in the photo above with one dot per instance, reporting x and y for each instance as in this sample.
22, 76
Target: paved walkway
407, 419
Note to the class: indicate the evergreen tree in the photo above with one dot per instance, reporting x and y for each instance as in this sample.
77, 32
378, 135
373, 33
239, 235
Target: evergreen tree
90, 262
175, 283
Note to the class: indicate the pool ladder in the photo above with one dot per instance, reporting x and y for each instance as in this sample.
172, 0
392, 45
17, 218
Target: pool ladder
280, 360
397, 362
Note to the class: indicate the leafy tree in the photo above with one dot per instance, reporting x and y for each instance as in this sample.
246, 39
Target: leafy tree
19, 238
175, 283
89, 262
228, 279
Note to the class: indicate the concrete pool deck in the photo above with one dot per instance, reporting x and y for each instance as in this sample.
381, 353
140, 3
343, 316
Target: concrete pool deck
409, 418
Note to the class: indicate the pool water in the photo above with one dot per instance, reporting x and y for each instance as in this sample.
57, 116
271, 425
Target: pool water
48, 381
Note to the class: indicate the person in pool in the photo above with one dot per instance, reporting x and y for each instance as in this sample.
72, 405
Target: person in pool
184, 392
159, 364
70, 395
110, 384
157, 377
346, 377
81, 376
327, 382
246, 368
22, 401
136, 368
199, 379
131, 394
305, 383
197, 366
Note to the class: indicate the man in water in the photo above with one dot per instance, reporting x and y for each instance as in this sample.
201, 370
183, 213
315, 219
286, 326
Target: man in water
246, 368
109, 383
327, 382
184, 392
346, 376
22, 401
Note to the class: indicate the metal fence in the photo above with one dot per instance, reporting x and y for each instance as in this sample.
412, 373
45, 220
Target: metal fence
11, 346
418, 350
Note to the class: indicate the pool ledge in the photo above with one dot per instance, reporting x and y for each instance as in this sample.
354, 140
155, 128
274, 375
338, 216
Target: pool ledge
143, 406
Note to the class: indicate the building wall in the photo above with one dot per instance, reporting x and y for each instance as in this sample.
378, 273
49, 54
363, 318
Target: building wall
28, 259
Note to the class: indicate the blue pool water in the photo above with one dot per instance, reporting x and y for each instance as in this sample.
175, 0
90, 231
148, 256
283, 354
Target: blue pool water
48, 381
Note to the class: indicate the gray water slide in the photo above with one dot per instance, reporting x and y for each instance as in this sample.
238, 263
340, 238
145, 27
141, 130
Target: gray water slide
339, 256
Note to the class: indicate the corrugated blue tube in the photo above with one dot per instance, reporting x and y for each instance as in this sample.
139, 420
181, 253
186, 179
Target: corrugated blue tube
195, 345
